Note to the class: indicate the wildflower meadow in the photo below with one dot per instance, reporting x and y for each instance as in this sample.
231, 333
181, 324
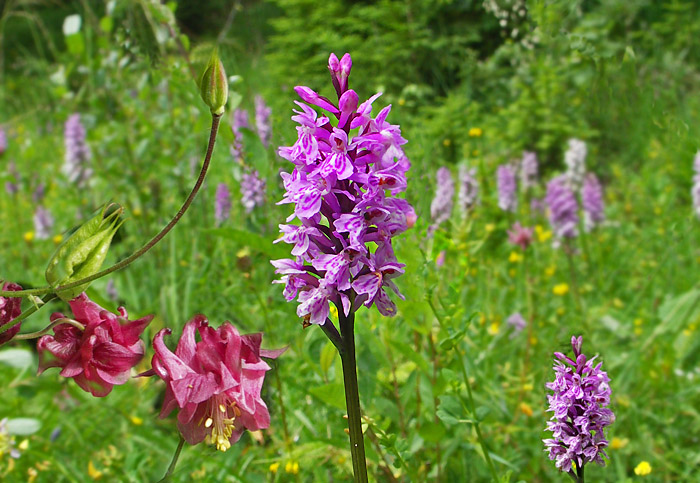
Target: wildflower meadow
401, 241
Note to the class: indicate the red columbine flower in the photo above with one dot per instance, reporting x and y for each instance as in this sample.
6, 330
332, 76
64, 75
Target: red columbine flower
10, 308
99, 356
215, 383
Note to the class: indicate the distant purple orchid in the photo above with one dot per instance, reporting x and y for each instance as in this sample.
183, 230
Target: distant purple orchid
696, 184
262, 120
575, 161
563, 209
578, 403
507, 188
592, 201
518, 322
468, 193
240, 121
222, 206
343, 190
76, 166
441, 206
43, 223
528, 170
252, 190
3, 141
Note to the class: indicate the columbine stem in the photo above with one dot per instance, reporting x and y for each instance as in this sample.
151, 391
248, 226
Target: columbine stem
127, 261
36, 335
173, 463
26, 314
352, 396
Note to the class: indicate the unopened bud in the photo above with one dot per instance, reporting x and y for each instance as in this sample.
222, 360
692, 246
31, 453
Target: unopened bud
213, 86
82, 253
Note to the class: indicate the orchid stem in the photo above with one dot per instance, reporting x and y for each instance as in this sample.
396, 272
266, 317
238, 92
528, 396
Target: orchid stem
352, 396
173, 463
216, 119
332, 333
36, 335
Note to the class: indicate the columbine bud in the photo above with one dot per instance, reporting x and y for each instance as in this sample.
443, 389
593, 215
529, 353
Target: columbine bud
82, 253
213, 86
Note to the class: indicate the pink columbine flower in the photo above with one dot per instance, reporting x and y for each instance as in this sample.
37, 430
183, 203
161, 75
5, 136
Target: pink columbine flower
98, 357
215, 383
10, 308
520, 235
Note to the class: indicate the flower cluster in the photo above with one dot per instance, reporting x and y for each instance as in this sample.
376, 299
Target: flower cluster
528, 169
240, 121
575, 160
215, 383
10, 308
441, 206
581, 392
343, 187
252, 190
78, 154
98, 356
592, 202
563, 208
507, 188
222, 207
43, 223
696, 184
468, 194
262, 120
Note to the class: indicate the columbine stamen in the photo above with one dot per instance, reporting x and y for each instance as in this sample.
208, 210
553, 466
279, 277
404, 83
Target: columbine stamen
222, 416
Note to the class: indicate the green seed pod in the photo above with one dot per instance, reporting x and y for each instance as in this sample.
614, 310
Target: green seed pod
82, 253
213, 85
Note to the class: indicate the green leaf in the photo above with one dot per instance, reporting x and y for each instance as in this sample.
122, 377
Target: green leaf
23, 426
328, 354
432, 433
482, 412
18, 358
332, 394
450, 410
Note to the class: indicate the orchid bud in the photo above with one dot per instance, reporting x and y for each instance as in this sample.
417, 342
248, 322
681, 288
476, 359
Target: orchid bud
82, 253
213, 86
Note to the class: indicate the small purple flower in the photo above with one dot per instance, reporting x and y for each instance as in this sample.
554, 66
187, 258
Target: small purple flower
518, 322
696, 184
76, 166
12, 187
528, 170
580, 394
592, 201
468, 194
222, 208
43, 223
520, 235
252, 190
348, 166
240, 121
575, 160
563, 208
507, 188
441, 207
3, 141
111, 291
39, 193
262, 120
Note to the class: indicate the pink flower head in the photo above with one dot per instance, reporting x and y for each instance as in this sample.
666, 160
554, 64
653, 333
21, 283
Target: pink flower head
520, 235
10, 308
101, 355
215, 383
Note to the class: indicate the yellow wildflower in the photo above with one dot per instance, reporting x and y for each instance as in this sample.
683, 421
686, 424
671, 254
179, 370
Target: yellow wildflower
493, 328
549, 271
93, 472
618, 443
489, 227
292, 467
32, 473
561, 289
515, 257
29, 236
475, 132
274, 467
137, 421
533, 340
642, 469
58, 239
542, 234
446, 142
526, 409
617, 303
402, 101
137, 212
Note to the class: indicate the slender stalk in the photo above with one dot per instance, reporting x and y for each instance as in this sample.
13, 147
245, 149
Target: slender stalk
26, 314
127, 261
352, 396
36, 335
173, 463
332, 333
482, 441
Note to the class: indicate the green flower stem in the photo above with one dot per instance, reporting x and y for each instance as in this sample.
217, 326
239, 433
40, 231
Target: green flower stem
173, 463
332, 333
578, 475
352, 397
479, 435
127, 261
26, 314
36, 335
